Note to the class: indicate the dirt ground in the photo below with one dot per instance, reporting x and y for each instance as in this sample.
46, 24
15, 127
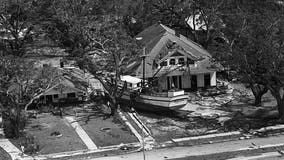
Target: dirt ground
214, 114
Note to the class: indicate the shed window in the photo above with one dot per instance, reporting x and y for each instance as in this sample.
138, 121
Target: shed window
181, 61
172, 61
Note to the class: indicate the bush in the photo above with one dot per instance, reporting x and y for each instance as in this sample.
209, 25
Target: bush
29, 145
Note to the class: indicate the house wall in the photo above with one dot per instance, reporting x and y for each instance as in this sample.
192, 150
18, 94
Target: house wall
55, 100
162, 84
186, 81
200, 80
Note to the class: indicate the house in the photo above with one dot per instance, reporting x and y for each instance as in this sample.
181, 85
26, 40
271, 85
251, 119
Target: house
172, 61
64, 91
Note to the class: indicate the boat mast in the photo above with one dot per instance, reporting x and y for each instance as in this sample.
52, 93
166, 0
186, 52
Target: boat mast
143, 69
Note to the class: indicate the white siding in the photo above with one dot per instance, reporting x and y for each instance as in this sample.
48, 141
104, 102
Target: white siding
200, 80
163, 83
186, 83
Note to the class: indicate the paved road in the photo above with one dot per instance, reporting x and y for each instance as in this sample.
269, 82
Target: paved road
181, 153
264, 156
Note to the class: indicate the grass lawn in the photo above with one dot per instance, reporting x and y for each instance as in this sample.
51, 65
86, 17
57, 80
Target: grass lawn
103, 131
4, 155
42, 127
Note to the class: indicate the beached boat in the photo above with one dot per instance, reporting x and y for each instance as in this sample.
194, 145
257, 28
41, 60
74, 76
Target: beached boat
150, 101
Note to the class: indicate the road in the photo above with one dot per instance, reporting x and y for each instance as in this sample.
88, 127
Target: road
225, 148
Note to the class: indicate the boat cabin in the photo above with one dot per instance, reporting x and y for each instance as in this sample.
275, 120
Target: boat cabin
133, 83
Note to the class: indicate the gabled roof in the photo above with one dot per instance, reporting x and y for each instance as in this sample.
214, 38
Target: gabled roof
158, 40
153, 34
62, 88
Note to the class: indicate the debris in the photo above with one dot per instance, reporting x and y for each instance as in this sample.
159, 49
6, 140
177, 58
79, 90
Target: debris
242, 138
56, 134
105, 129
281, 152
122, 146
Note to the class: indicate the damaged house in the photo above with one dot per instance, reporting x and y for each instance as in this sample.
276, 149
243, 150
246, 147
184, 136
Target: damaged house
173, 61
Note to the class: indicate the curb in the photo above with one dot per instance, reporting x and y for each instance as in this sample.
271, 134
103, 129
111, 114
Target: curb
221, 137
133, 130
211, 138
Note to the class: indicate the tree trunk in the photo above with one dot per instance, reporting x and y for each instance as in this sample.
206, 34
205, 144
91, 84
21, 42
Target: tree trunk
258, 91
278, 94
280, 107
113, 105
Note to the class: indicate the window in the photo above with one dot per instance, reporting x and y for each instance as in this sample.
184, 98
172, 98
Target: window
181, 61
71, 95
130, 84
190, 61
172, 61
165, 63
55, 96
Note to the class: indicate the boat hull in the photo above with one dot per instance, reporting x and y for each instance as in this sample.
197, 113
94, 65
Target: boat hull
154, 103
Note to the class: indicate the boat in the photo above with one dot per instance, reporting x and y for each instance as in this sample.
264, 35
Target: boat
144, 99
141, 96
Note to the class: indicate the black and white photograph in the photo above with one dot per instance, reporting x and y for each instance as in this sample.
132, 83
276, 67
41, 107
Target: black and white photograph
141, 79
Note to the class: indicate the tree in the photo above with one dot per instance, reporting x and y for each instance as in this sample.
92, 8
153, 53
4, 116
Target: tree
21, 83
252, 45
92, 33
196, 19
17, 25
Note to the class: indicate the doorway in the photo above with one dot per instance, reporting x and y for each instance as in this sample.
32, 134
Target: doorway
193, 80
49, 99
174, 82
207, 80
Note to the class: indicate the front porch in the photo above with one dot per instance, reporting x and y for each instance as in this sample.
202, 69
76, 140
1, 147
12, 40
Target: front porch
186, 82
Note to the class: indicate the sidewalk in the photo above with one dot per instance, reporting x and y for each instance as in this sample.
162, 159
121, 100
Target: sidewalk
230, 149
12, 150
81, 133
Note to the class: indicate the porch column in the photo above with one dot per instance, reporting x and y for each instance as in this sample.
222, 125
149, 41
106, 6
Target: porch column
213, 78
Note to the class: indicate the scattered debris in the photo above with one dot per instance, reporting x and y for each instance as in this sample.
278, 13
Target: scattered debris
56, 134
105, 129
123, 146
